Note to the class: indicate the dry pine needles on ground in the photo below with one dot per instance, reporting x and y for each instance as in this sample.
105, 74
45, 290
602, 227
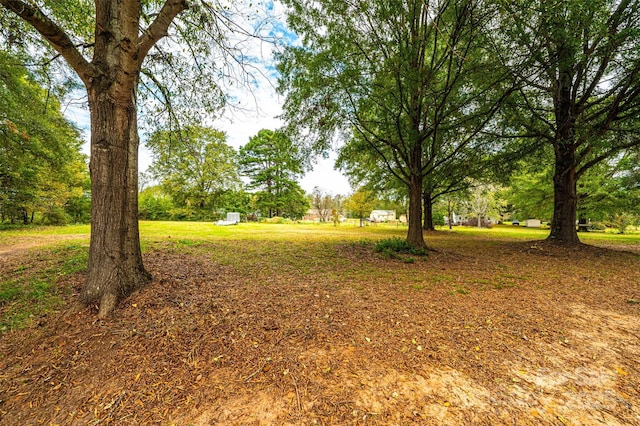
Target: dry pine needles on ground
277, 332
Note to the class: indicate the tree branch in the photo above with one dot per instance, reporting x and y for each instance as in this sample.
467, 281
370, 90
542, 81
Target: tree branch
158, 27
55, 35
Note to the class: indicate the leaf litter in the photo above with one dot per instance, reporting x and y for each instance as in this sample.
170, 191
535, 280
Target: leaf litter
285, 333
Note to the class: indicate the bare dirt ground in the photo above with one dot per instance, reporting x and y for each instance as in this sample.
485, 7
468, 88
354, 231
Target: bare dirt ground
483, 333
26, 243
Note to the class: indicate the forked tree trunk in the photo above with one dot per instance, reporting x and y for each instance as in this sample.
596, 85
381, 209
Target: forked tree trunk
115, 261
565, 199
115, 258
414, 235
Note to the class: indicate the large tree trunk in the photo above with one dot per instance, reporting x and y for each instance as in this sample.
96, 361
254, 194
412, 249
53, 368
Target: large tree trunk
120, 45
414, 235
428, 212
115, 259
565, 199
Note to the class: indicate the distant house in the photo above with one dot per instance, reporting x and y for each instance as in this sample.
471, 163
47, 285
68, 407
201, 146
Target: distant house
382, 216
312, 214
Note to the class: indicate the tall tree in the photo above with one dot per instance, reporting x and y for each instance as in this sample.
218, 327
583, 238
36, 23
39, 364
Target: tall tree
483, 201
106, 43
323, 202
408, 78
360, 203
273, 163
580, 62
194, 165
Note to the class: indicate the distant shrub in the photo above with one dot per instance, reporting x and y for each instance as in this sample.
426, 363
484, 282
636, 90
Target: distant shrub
474, 222
438, 219
277, 219
598, 226
190, 214
55, 216
394, 246
622, 221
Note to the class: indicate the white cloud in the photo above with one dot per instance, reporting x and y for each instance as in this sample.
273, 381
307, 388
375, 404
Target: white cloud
326, 178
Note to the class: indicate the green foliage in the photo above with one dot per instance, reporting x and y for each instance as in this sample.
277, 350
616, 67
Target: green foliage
530, 194
611, 188
360, 203
32, 291
78, 208
273, 163
42, 172
195, 167
438, 218
623, 220
154, 204
394, 246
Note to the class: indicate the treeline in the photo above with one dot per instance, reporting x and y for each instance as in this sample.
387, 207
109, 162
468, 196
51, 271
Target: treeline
196, 175
43, 174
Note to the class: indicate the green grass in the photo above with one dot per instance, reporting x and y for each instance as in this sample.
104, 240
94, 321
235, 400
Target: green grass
524, 233
31, 291
193, 232
307, 251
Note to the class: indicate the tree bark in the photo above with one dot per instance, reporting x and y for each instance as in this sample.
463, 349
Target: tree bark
565, 202
428, 212
565, 199
115, 258
414, 235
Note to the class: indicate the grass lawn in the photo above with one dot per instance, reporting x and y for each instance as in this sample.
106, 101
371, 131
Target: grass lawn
308, 324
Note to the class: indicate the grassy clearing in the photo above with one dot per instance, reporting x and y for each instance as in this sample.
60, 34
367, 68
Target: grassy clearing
29, 290
195, 232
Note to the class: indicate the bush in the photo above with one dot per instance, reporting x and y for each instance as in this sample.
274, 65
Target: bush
438, 219
55, 216
474, 222
277, 219
393, 246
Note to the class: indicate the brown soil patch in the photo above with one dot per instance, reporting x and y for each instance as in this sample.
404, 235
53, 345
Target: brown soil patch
18, 248
486, 334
